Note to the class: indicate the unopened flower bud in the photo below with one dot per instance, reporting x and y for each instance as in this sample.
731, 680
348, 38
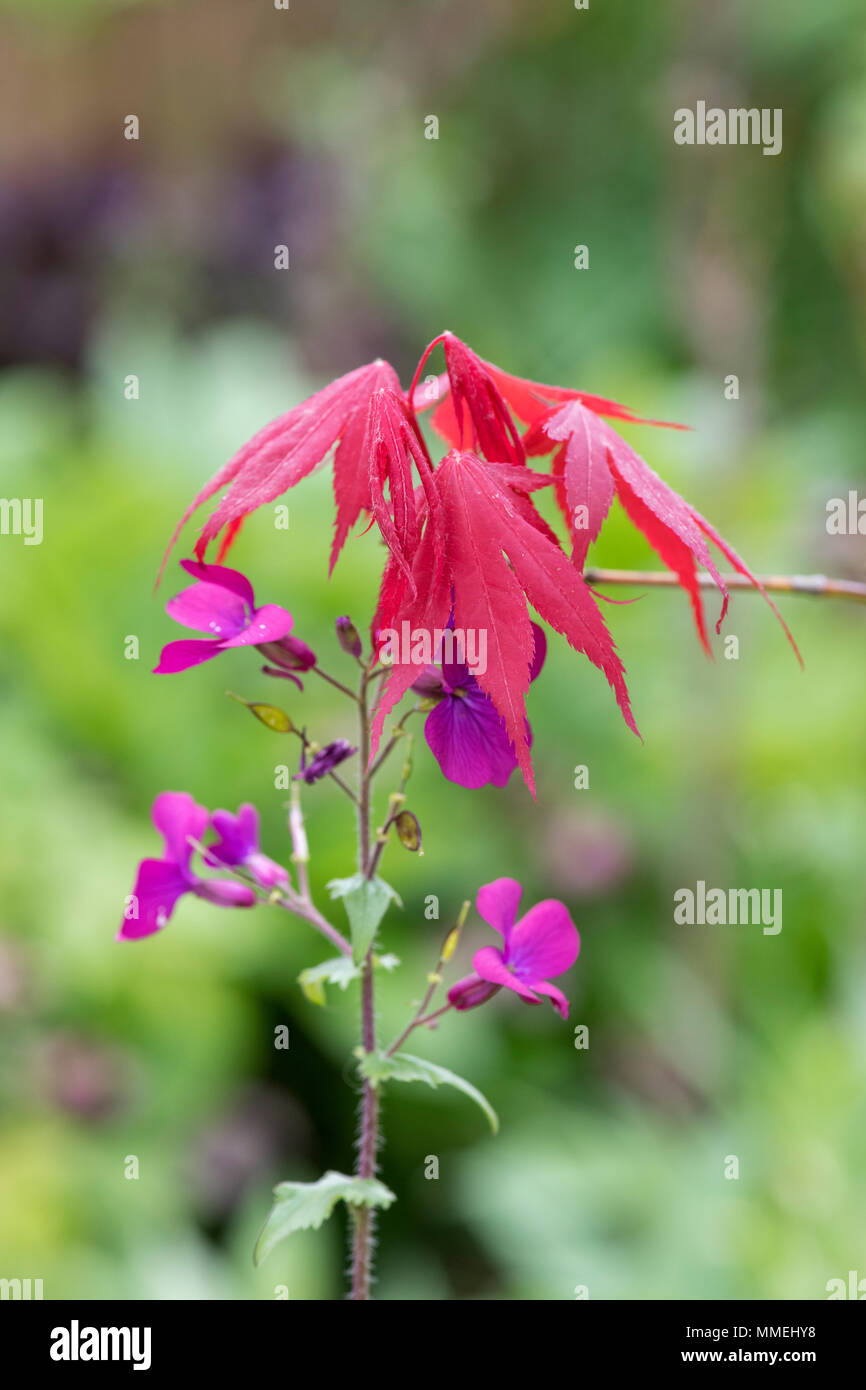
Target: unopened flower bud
347, 636
290, 653
471, 991
325, 761
225, 892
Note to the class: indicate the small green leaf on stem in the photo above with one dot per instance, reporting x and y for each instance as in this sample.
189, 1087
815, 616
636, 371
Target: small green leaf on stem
339, 971
402, 1066
300, 1206
366, 901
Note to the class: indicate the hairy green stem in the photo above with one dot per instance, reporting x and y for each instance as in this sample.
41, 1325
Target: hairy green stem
368, 1140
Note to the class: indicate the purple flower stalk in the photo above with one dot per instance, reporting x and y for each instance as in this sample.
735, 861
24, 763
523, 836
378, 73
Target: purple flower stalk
161, 882
467, 737
543, 942
222, 603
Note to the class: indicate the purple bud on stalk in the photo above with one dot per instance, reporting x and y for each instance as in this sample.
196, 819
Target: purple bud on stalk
347, 636
325, 761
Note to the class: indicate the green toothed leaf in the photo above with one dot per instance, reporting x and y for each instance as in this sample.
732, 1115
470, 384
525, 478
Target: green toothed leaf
299, 1206
339, 971
376, 1067
366, 901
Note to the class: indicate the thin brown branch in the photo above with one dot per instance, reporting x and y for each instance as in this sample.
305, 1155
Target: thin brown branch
815, 584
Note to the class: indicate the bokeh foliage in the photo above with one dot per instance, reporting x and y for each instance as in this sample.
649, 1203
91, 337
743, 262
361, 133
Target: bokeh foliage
306, 128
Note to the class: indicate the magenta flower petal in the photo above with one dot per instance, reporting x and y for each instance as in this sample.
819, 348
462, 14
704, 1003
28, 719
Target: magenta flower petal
267, 624
239, 835
465, 733
176, 816
231, 580
239, 844
469, 741
490, 964
209, 608
189, 651
497, 903
556, 996
158, 885
222, 603
456, 674
160, 882
543, 943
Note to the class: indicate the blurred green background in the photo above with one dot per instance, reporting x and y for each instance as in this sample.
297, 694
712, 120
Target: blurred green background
155, 257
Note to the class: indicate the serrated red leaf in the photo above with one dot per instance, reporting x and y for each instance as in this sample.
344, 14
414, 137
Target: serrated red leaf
550, 582
427, 609
529, 400
351, 473
742, 568
497, 558
287, 450
587, 481
390, 446
473, 404
487, 595
676, 532
660, 513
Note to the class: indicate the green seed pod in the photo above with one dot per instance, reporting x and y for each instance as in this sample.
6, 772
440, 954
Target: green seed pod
269, 715
408, 831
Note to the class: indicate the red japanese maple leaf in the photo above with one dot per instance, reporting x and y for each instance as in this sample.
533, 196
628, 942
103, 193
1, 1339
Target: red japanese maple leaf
498, 560
391, 447
465, 542
482, 382
592, 464
288, 449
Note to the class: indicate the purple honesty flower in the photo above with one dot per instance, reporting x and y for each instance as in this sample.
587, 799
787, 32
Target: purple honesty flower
221, 603
325, 761
239, 845
465, 733
160, 882
544, 942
